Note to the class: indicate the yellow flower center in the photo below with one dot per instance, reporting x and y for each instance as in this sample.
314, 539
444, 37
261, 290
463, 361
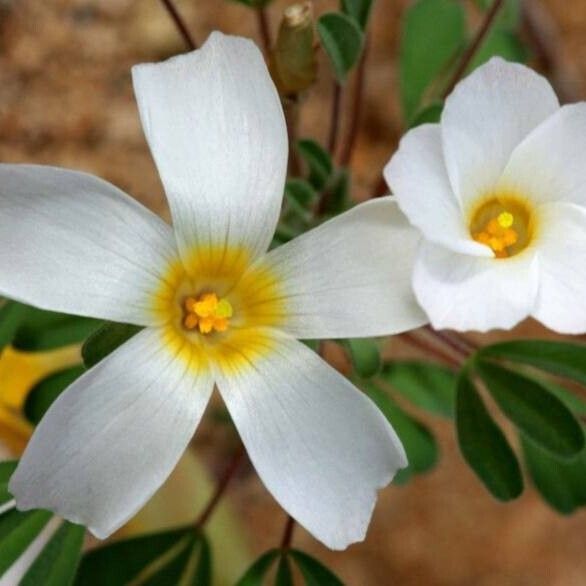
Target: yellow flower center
207, 313
503, 223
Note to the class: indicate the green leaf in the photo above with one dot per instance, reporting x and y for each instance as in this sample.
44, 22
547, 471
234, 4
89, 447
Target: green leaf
17, 532
365, 356
300, 191
429, 386
284, 575
11, 315
342, 40
428, 115
203, 571
560, 482
318, 162
105, 340
572, 401
560, 358
433, 33
339, 192
156, 559
359, 10
509, 17
419, 443
6, 470
500, 43
484, 445
534, 410
314, 572
57, 563
42, 395
254, 576
45, 330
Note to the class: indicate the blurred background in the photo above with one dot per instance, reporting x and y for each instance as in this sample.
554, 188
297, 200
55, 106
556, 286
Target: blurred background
66, 100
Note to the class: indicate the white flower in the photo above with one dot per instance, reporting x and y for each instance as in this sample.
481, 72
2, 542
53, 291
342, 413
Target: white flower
218, 309
498, 191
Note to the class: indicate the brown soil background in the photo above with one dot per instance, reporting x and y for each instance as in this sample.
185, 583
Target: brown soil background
66, 99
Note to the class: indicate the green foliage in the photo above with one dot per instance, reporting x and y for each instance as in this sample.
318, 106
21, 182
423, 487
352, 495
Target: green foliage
253, 3
105, 340
11, 315
359, 10
428, 115
510, 14
318, 161
539, 414
484, 445
433, 33
6, 470
301, 192
180, 556
255, 575
420, 445
284, 575
365, 356
428, 386
342, 40
559, 481
500, 43
42, 395
17, 532
560, 358
57, 563
314, 572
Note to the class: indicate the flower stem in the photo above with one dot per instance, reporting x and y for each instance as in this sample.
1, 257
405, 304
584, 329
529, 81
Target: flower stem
221, 487
429, 349
180, 24
335, 117
347, 148
288, 534
474, 46
264, 29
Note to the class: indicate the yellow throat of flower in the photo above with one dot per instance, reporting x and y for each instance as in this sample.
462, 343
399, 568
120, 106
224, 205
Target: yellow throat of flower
504, 223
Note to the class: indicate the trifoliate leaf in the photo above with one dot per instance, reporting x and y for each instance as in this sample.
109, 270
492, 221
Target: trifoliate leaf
42, 395
484, 446
105, 340
561, 358
534, 410
342, 40
313, 571
429, 386
560, 482
318, 161
284, 575
359, 10
255, 575
433, 33
301, 192
160, 558
58, 561
365, 356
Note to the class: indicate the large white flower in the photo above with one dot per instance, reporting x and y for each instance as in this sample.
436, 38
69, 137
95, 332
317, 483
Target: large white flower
218, 309
498, 191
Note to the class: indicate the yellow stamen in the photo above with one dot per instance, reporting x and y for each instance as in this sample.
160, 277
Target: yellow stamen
504, 223
207, 313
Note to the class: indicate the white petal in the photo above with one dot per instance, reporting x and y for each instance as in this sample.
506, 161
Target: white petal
71, 242
561, 301
113, 437
350, 277
550, 164
216, 129
464, 292
320, 446
419, 180
485, 118
21, 566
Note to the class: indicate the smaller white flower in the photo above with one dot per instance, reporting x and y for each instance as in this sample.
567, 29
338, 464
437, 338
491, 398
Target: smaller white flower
218, 309
498, 191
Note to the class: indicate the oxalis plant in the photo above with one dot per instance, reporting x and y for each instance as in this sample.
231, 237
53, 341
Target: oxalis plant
267, 257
